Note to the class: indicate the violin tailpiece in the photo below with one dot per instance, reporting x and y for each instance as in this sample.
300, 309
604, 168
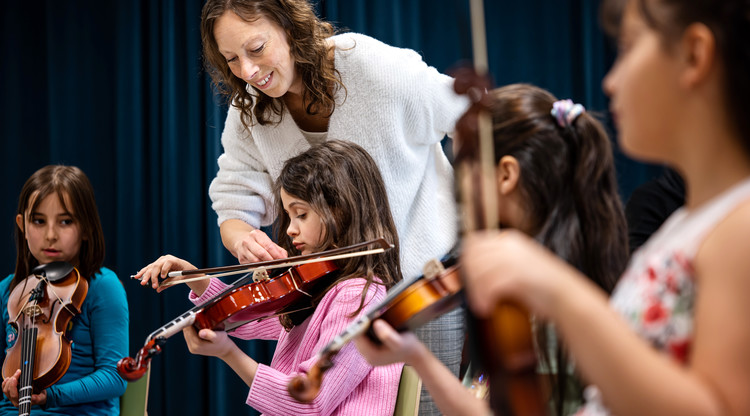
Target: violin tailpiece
260, 275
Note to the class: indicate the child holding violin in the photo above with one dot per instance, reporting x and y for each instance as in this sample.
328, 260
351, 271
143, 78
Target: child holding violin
674, 337
556, 183
58, 221
328, 197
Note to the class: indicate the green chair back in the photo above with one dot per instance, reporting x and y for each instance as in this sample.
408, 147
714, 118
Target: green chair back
135, 399
409, 389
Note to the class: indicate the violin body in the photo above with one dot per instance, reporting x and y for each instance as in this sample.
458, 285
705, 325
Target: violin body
41, 327
261, 299
504, 348
424, 300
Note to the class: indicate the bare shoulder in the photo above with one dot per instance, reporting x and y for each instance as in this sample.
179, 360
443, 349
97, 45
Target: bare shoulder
729, 243
722, 312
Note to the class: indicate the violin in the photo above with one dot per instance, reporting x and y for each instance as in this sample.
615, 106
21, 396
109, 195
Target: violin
407, 306
243, 302
503, 345
40, 308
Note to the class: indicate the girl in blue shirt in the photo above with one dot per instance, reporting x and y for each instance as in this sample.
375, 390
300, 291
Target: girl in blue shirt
58, 220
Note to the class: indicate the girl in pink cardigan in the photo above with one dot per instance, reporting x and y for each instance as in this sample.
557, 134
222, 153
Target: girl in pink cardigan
330, 196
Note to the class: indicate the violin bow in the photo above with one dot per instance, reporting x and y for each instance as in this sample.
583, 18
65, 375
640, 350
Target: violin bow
328, 255
486, 148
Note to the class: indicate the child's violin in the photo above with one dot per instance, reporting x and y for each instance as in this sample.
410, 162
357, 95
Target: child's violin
243, 302
40, 309
408, 305
503, 345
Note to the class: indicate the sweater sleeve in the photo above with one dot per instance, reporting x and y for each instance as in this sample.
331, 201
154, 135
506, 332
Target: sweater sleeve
428, 108
108, 314
242, 186
267, 329
431, 98
268, 393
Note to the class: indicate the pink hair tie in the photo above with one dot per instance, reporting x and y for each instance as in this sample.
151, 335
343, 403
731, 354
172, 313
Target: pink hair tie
566, 112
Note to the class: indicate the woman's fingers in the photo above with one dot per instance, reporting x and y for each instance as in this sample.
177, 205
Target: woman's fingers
257, 246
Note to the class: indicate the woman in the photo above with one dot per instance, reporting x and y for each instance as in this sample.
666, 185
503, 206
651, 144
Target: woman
292, 83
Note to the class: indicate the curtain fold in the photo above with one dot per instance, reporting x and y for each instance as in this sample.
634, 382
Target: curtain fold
117, 88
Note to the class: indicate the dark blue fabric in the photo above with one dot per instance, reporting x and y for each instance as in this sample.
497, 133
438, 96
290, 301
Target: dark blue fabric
117, 88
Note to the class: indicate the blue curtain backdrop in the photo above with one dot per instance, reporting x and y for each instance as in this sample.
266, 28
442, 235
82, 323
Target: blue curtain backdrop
117, 88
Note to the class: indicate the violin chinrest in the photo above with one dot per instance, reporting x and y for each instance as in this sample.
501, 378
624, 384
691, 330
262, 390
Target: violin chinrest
57, 270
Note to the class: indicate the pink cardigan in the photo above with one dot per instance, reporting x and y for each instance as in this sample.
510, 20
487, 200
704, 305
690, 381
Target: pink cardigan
351, 387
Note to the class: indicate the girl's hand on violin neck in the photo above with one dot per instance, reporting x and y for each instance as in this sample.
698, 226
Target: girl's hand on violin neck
207, 342
10, 390
396, 348
509, 265
159, 269
256, 246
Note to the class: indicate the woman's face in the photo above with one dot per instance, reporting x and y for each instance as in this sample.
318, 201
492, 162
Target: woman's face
258, 53
643, 85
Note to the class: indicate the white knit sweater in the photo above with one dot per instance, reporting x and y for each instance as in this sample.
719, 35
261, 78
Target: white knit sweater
395, 107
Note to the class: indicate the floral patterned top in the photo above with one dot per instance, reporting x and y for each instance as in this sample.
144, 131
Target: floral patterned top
656, 294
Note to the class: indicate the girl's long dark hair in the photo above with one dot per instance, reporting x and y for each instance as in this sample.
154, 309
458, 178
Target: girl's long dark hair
76, 195
343, 185
568, 183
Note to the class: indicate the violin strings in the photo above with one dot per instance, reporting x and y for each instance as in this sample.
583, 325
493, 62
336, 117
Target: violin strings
26, 365
59, 299
20, 310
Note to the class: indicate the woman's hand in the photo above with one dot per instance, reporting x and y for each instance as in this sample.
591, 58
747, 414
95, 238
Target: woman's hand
10, 389
397, 347
248, 244
510, 265
162, 266
207, 342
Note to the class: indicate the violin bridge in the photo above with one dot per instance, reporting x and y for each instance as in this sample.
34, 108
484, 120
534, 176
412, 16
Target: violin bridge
32, 311
432, 269
260, 275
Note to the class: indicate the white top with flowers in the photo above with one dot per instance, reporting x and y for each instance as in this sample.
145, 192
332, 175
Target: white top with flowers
656, 294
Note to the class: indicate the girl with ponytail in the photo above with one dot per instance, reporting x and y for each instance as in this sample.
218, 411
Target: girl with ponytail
674, 336
555, 183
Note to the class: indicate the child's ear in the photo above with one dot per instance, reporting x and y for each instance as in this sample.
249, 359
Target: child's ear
19, 221
508, 172
698, 51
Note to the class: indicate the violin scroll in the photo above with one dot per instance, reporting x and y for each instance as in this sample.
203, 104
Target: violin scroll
132, 369
305, 387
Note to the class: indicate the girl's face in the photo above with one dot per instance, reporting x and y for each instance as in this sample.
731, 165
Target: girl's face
643, 85
305, 225
51, 232
258, 53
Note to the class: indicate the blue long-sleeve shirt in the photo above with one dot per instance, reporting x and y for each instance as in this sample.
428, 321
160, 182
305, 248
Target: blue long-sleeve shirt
91, 386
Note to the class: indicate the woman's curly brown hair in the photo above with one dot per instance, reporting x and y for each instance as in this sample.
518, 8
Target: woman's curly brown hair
307, 36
